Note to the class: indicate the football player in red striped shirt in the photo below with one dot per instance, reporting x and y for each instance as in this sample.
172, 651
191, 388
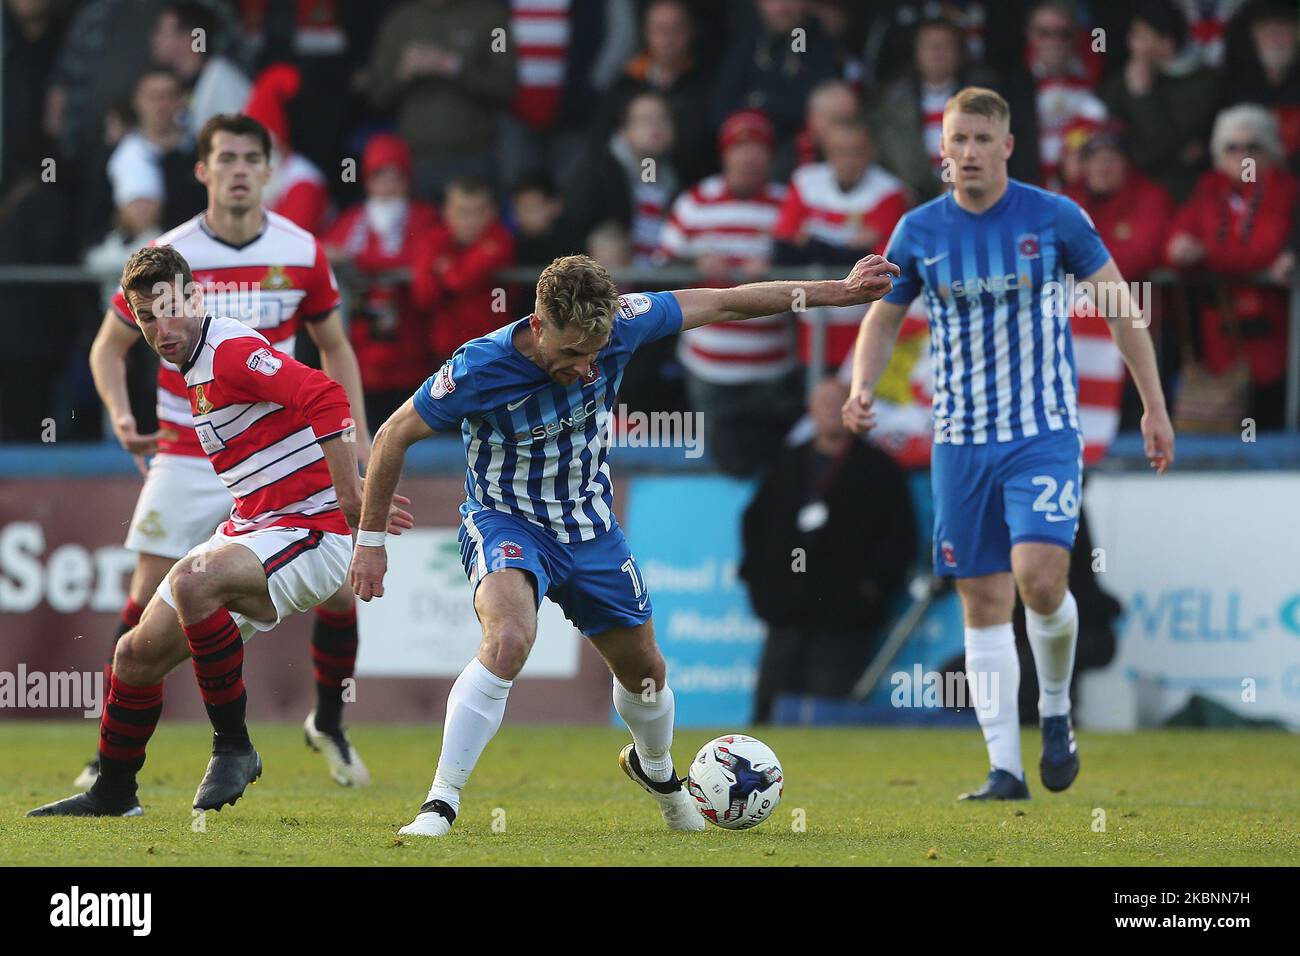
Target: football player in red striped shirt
259, 268
283, 442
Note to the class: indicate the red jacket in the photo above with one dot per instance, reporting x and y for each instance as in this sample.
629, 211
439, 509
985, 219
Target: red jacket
1244, 227
455, 284
389, 332
1133, 222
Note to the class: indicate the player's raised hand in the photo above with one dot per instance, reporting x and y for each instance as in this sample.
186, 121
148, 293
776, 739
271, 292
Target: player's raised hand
366, 575
859, 416
871, 278
1158, 439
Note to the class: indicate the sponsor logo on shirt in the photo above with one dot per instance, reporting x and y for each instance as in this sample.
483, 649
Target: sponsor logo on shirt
576, 419
261, 361
989, 284
630, 306
443, 384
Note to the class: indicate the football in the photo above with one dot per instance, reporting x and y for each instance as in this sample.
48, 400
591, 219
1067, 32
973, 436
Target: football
736, 781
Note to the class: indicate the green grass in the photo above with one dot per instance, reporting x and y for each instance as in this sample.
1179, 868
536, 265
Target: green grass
869, 796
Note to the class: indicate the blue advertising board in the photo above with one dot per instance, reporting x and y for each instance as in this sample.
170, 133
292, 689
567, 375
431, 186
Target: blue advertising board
685, 535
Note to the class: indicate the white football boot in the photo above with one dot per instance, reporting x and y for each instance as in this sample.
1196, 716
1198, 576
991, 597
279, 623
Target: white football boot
676, 805
346, 768
434, 820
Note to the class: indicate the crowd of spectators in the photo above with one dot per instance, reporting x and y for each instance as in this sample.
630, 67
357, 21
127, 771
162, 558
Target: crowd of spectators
456, 138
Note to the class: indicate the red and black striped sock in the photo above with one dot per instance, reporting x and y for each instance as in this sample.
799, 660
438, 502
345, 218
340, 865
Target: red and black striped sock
129, 719
130, 618
334, 658
217, 651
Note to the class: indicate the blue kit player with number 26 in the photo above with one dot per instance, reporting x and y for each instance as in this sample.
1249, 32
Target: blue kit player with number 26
995, 260
533, 402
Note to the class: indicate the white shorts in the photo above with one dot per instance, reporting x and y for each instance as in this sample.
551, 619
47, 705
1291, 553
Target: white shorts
181, 502
303, 568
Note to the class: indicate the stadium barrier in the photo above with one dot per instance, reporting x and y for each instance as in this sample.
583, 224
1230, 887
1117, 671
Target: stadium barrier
676, 277
63, 573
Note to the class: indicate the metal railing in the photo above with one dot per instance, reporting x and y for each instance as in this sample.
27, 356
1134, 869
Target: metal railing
351, 282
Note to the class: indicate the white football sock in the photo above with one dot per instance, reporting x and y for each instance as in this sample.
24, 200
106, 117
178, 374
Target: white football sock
1052, 638
475, 706
651, 723
993, 675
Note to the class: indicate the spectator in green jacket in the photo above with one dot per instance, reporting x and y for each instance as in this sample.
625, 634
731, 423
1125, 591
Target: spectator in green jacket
1165, 97
438, 66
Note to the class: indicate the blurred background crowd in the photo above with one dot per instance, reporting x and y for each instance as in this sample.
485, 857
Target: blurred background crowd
443, 149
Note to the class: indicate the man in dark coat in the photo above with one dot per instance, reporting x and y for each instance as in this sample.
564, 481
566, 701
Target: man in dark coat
827, 540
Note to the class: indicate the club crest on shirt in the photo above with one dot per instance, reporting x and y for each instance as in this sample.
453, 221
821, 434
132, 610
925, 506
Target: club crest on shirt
263, 361
443, 383
592, 376
630, 306
1028, 245
201, 403
510, 550
276, 278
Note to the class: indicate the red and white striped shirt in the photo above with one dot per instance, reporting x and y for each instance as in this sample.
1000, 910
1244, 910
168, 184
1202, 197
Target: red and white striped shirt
649, 204
260, 416
1062, 100
709, 219
271, 284
932, 104
541, 34
817, 208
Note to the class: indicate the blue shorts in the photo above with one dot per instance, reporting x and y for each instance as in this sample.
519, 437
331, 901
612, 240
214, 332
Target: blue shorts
990, 497
596, 583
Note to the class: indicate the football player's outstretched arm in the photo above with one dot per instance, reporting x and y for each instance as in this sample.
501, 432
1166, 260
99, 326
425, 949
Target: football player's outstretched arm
1129, 330
403, 429
869, 279
871, 354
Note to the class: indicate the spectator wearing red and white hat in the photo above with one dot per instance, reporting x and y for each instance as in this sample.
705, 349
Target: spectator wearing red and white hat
743, 376
377, 236
297, 189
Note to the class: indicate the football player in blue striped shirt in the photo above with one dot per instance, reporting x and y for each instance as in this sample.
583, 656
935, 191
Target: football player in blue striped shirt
533, 403
996, 261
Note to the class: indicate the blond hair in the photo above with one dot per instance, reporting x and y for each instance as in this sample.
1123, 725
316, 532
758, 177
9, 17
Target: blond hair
980, 101
577, 292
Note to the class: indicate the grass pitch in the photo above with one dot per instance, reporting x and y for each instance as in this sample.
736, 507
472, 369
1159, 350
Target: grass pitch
556, 796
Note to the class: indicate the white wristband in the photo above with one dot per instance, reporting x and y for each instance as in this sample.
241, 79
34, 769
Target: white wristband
371, 539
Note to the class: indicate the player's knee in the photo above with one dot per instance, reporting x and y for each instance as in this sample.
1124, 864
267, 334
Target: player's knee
507, 646
137, 659
191, 587
1042, 590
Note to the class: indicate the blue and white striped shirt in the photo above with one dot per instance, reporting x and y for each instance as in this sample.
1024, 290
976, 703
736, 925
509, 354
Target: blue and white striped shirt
535, 448
995, 285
